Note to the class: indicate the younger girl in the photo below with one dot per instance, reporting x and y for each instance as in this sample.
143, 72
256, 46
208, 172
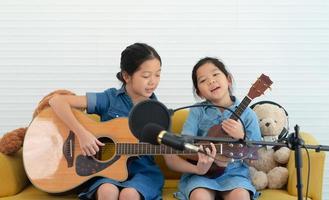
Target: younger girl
213, 83
140, 74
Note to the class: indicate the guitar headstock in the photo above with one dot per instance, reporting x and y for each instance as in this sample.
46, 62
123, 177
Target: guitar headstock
258, 88
235, 150
240, 151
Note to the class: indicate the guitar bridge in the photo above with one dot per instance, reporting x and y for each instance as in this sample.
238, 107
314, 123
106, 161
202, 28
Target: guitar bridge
68, 149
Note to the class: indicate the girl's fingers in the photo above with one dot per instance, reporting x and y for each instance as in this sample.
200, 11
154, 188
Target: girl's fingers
209, 154
213, 149
86, 151
201, 155
99, 143
95, 147
208, 151
92, 150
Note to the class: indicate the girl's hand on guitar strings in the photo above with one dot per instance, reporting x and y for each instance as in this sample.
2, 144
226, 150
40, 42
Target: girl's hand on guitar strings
233, 128
89, 143
205, 161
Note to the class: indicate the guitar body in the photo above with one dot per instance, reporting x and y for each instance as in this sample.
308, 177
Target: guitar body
52, 157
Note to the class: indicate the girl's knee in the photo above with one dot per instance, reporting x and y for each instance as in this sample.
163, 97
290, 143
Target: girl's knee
237, 194
202, 193
107, 190
129, 193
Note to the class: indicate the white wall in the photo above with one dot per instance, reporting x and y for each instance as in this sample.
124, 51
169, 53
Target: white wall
46, 45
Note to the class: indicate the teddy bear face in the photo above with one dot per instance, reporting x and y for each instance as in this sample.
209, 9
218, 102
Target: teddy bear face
272, 119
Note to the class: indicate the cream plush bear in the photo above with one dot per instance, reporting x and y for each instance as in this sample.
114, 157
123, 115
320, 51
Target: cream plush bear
269, 170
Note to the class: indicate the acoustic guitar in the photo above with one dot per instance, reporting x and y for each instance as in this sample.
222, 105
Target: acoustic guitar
54, 163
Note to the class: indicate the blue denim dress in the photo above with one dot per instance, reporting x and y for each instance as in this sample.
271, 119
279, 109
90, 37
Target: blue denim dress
236, 174
143, 174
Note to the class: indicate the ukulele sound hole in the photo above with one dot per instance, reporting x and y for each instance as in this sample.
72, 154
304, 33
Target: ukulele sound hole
107, 151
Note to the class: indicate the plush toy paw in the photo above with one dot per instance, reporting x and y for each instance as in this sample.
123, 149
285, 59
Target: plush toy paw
282, 155
265, 160
12, 141
277, 177
258, 178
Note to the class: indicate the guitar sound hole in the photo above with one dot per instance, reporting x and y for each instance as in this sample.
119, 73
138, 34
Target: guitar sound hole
107, 151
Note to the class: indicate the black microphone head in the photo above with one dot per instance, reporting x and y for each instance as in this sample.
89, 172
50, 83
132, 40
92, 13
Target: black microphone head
148, 111
150, 133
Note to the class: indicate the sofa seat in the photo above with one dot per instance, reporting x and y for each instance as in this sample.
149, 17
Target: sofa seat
32, 193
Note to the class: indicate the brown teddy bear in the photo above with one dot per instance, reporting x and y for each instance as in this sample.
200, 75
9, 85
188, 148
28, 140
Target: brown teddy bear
12, 141
270, 170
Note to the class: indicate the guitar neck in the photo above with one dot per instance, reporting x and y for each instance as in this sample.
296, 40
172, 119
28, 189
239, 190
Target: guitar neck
149, 149
231, 150
242, 106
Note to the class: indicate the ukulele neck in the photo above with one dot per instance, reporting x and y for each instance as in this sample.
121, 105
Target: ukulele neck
242, 106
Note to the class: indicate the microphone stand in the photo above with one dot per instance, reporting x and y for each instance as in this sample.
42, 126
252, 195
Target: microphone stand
294, 142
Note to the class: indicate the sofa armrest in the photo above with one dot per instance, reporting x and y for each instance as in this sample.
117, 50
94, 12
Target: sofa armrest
12, 174
317, 160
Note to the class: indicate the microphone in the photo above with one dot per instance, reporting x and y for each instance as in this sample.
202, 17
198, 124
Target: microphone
148, 111
155, 134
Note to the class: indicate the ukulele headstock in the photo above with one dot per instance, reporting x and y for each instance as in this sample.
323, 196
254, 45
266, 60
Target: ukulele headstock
260, 86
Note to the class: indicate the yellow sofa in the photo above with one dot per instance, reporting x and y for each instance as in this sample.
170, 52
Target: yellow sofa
14, 183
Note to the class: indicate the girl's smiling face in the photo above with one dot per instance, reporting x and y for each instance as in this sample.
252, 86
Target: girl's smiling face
212, 83
144, 81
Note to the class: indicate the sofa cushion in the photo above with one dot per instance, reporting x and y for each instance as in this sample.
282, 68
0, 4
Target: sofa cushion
270, 194
12, 173
31, 193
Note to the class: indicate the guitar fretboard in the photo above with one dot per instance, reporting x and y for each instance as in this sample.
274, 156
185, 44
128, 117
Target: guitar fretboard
149, 149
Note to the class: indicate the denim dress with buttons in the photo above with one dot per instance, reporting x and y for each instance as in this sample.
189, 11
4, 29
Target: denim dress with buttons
236, 174
143, 173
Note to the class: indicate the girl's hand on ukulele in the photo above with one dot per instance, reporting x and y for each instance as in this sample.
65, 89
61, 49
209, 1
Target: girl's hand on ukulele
205, 162
89, 143
233, 128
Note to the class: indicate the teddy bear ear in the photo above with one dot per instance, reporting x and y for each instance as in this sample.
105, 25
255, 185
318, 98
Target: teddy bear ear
254, 107
257, 105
